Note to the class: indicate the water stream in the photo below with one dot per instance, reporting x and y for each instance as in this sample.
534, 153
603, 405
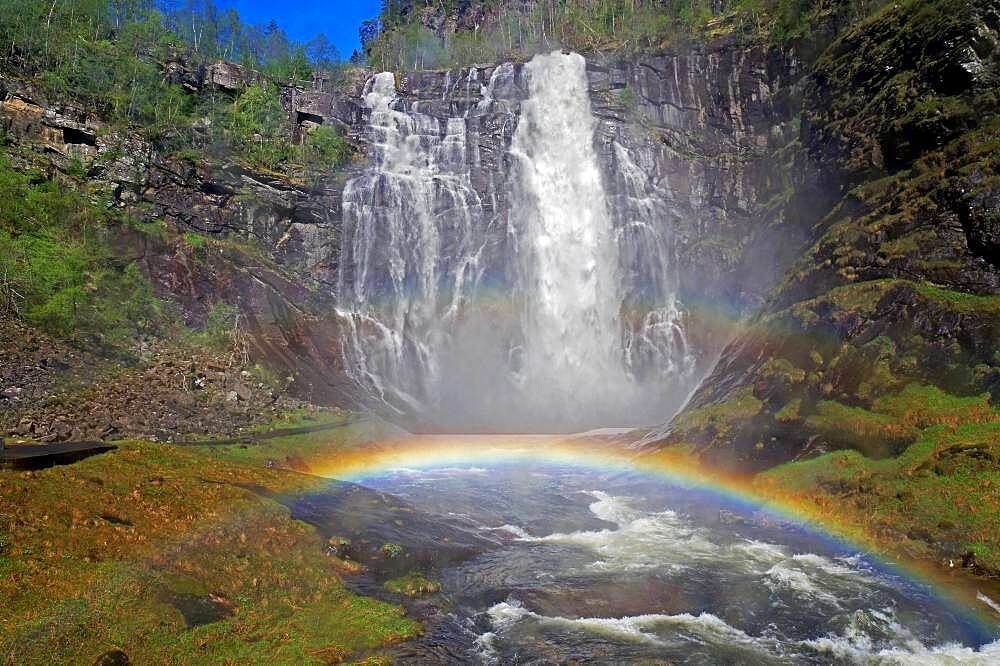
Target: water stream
557, 314
552, 563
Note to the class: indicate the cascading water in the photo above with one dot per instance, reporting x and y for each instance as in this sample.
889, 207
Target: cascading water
583, 328
567, 252
411, 212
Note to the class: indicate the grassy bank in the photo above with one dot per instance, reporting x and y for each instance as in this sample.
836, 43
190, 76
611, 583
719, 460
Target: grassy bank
125, 550
938, 500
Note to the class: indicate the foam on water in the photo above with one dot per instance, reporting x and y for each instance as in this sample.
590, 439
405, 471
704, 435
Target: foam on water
642, 539
872, 637
876, 637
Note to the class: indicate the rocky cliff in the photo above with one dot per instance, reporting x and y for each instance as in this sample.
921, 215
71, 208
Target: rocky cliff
695, 148
898, 284
847, 204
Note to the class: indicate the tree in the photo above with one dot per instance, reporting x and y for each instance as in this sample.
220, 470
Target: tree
321, 52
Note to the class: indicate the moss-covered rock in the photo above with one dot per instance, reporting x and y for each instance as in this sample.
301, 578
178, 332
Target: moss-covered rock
412, 584
899, 286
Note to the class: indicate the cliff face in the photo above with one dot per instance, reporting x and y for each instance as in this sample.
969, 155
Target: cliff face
280, 237
694, 147
849, 205
695, 134
898, 284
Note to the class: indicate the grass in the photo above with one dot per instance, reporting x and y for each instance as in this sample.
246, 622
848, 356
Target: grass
923, 405
90, 554
940, 497
412, 584
959, 300
743, 405
877, 435
307, 452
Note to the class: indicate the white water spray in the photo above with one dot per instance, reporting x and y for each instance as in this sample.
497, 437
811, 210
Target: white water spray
559, 346
567, 253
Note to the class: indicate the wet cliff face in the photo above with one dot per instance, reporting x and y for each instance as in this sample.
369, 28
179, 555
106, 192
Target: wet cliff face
693, 151
696, 135
684, 147
897, 288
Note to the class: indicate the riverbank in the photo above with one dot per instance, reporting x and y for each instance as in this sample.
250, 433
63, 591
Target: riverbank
190, 553
177, 554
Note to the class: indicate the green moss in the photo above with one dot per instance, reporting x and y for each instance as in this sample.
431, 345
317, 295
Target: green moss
789, 412
959, 300
808, 475
876, 435
924, 405
391, 550
80, 585
743, 405
939, 492
859, 297
782, 369
309, 451
196, 241
412, 584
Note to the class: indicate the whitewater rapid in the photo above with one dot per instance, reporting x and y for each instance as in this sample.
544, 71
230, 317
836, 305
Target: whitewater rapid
614, 568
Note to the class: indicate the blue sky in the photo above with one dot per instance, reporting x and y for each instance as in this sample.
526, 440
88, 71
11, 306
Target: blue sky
339, 19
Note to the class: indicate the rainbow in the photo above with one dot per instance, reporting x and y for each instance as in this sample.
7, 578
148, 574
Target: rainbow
425, 452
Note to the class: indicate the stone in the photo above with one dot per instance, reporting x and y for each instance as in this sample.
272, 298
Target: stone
242, 391
112, 658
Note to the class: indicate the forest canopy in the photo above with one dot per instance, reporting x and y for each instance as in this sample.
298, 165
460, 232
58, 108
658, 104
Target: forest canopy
415, 34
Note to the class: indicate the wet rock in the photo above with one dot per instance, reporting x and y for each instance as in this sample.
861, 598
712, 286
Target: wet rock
727, 517
112, 658
199, 610
242, 391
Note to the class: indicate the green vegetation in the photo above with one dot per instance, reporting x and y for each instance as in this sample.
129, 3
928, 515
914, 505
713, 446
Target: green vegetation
397, 40
939, 493
97, 555
59, 270
307, 452
922, 406
723, 415
219, 330
876, 435
412, 584
111, 57
939, 497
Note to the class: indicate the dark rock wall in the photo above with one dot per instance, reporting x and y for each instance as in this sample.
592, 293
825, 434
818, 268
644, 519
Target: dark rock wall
898, 283
704, 137
693, 134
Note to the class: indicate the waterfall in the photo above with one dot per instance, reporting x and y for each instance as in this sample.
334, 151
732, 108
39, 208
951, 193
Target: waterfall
565, 244
581, 328
410, 211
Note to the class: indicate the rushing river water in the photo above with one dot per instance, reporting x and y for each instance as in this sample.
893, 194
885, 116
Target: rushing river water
549, 563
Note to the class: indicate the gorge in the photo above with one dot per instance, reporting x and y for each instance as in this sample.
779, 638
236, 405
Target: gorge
537, 332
